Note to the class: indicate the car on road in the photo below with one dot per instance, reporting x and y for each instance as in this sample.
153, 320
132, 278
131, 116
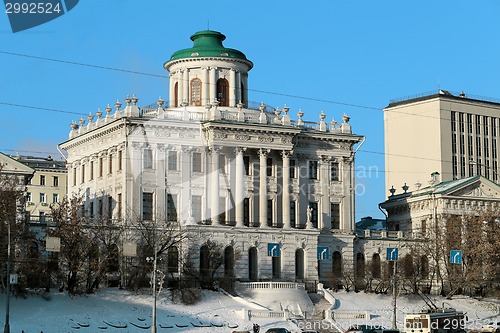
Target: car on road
278, 330
309, 331
491, 327
240, 332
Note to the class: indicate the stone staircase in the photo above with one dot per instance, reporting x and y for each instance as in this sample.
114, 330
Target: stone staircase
320, 305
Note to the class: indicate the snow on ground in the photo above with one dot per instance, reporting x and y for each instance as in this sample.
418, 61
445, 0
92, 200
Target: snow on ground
380, 308
109, 309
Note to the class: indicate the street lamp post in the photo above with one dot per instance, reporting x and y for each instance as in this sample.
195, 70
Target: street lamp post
153, 316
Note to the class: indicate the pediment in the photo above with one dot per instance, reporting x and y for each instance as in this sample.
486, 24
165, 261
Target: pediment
481, 188
10, 165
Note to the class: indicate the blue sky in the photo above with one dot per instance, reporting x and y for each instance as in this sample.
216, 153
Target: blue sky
333, 56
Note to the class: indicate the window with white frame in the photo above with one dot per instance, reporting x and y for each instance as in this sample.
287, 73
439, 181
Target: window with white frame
197, 167
148, 158
172, 160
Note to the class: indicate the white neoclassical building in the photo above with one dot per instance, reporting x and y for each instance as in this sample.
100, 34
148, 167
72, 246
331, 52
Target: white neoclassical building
276, 189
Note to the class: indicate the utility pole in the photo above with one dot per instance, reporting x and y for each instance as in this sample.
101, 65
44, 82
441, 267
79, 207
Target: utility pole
7, 307
394, 325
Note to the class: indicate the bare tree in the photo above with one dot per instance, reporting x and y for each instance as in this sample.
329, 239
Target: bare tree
164, 237
12, 216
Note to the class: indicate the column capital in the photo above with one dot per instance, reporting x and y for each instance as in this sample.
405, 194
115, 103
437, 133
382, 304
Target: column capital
214, 149
286, 153
263, 152
326, 158
240, 150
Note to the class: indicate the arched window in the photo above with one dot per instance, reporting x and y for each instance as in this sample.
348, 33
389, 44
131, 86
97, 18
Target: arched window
204, 258
176, 94
113, 263
337, 264
299, 264
223, 92
242, 94
173, 260
424, 267
196, 92
376, 266
253, 268
360, 265
229, 261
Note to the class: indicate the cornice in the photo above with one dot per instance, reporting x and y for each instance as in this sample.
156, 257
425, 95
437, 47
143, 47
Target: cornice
93, 135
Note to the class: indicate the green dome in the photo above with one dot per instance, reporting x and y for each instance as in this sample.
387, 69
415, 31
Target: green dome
208, 43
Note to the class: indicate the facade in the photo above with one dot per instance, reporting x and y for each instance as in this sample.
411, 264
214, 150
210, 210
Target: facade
277, 190
14, 176
441, 213
47, 187
453, 134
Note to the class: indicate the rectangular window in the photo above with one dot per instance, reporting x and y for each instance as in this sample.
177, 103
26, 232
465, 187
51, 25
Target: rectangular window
222, 210
222, 163
246, 162
120, 155
119, 206
172, 160
313, 169
196, 208
147, 206
74, 177
110, 164
197, 162
55, 198
83, 174
246, 211
171, 207
28, 197
91, 209
110, 207
485, 125
100, 209
269, 213
461, 122
269, 167
293, 213
313, 205
42, 180
292, 169
91, 170
42, 198
334, 172
335, 215
494, 127
100, 166
55, 181
148, 159
469, 123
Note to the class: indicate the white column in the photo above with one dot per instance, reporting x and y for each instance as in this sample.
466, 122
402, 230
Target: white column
346, 209
180, 89
324, 218
172, 78
213, 84
214, 191
263, 187
205, 93
185, 86
240, 187
286, 189
238, 86
232, 87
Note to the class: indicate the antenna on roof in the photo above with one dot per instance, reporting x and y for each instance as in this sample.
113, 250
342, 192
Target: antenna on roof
439, 84
208, 24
